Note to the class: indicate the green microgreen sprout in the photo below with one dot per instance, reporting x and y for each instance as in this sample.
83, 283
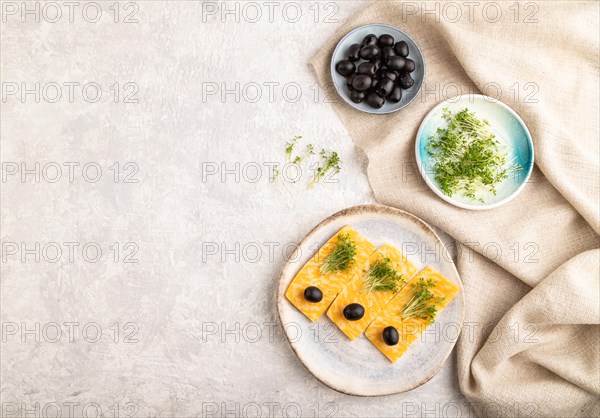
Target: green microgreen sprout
468, 159
289, 147
382, 277
276, 173
422, 303
329, 164
342, 256
307, 153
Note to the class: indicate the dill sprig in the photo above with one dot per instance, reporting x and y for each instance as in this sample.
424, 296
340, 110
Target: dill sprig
382, 277
468, 158
422, 304
329, 163
342, 256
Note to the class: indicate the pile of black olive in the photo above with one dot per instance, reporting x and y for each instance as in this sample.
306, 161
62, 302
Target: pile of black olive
376, 70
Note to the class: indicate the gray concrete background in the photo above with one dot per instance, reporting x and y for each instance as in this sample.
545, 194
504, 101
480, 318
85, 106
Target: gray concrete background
141, 235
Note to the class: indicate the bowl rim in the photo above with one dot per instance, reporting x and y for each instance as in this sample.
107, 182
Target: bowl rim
449, 199
347, 99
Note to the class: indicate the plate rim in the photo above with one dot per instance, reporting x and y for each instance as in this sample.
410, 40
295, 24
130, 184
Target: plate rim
449, 199
347, 99
357, 210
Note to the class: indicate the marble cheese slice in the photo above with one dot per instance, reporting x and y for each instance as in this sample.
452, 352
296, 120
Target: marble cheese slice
411, 328
330, 283
373, 301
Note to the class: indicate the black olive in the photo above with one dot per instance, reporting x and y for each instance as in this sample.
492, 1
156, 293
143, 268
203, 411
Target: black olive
357, 96
391, 74
406, 81
386, 40
401, 49
374, 83
361, 82
354, 312
396, 62
369, 52
369, 40
313, 294
387, 51
367, 68
378, 64
409, 65
349, 80
385, 86
390, 336
396, 95
354, 52
345, 68
375, 100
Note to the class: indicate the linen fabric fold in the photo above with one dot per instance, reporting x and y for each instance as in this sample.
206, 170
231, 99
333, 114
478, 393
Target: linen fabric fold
530, 345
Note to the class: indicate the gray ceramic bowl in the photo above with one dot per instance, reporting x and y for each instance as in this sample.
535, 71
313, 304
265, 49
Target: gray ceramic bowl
355, 37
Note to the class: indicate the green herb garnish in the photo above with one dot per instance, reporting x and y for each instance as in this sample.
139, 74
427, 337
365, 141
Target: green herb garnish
276, 173
289, 147
330, 163
342, 256
310, 150
422, 303
467, 157
307, 153
382, 277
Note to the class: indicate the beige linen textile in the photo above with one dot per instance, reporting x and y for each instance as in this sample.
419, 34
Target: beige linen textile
531, 341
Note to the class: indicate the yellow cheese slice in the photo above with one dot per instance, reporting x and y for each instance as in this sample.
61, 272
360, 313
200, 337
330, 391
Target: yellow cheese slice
372, 301
330, 284
411, 328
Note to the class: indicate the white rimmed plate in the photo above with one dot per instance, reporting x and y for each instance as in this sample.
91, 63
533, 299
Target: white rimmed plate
358, 367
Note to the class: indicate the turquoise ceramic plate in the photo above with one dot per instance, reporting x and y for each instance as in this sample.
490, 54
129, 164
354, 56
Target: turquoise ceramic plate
510, 130
355, 37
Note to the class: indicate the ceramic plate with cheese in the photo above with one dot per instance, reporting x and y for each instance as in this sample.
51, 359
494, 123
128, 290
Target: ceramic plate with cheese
371, 302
